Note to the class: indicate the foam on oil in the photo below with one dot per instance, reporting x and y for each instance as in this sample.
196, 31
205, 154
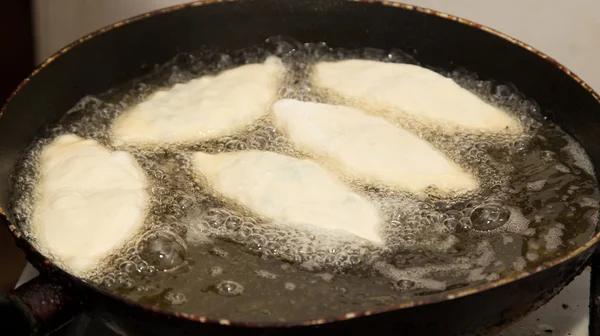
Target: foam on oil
538, 200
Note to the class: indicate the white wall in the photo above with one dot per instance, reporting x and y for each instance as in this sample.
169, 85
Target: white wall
568, 30
59, 22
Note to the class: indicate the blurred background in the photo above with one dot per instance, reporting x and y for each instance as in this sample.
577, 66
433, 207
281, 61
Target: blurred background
32, 30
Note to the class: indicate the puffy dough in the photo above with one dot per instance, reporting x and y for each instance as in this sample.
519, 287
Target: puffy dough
204, 108
413, 91
369, 147
289, 191
90, 201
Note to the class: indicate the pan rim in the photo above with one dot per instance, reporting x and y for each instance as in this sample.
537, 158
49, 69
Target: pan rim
26, 245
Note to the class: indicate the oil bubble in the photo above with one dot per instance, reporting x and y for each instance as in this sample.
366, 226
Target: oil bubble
266, 274
176, 298
547, 156
164, 250
229, 288
489, 217
218, 252
215, 271
403, 285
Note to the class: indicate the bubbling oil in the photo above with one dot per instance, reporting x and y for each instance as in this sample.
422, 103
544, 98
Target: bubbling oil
538, 200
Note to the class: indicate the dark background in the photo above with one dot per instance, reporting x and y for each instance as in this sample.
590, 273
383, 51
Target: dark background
16, 62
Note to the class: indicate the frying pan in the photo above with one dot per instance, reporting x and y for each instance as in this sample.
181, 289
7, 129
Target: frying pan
130, 48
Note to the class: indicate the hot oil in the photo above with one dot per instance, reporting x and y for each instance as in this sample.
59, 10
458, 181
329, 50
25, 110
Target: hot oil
202, 254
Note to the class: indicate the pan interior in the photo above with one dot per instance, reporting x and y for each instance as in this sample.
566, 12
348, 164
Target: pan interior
202, 255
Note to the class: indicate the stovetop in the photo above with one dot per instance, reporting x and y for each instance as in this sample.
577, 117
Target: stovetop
84, 326
567, 314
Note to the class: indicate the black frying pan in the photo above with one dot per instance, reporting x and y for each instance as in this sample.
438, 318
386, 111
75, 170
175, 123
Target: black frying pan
131, 48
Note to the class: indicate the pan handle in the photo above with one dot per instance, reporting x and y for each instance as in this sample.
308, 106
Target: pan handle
39, 306
594, 326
